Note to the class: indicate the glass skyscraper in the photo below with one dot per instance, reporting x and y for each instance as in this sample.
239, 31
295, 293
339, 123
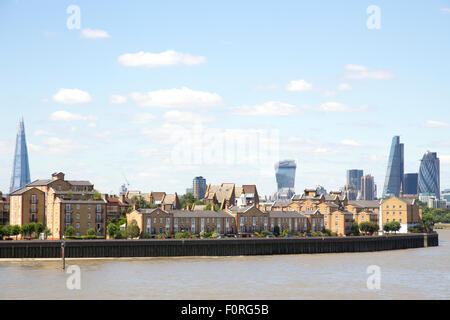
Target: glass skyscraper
199, 187
285, 174
21, 170
395, 169
410, 181
429, 175
354, 178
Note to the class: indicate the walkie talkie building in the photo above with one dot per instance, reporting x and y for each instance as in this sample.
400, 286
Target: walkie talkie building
21, 170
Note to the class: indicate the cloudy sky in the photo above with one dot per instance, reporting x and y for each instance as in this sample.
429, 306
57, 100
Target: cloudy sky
162, 91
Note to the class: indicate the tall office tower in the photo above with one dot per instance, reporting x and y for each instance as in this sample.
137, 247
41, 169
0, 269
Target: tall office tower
395, 169
350, 191
21, 170
199, 187
429, 175
368, 187
285, 174
354, 178
410, 181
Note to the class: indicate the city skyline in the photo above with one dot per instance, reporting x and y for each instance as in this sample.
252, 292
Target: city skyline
104, 99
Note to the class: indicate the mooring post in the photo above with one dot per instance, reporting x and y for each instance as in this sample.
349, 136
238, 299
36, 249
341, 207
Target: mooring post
63, 254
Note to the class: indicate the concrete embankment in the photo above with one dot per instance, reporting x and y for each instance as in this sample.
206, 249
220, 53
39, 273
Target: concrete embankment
211, 247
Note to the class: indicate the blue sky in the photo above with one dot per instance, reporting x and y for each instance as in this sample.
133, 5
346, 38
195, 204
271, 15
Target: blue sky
143, 88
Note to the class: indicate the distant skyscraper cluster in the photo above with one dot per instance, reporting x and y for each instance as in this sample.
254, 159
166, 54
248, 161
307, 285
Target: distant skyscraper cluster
426, 182
21, 169
359, 186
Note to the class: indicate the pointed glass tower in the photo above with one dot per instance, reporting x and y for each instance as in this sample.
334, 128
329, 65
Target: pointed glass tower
395, 169
21, 169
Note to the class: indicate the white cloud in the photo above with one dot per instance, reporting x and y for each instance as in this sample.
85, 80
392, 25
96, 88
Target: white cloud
54, 145
117, 99
435, 124
166, 58
299, 85
358, 72
177, 98
271, 108
94, 34
344, 87
63, 115
338, 107
445, 10
72, 96
329, 93
351, 143
142, 118
189, 117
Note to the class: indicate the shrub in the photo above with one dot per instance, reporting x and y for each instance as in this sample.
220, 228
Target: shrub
182, 235
146, 236
265, 233
215, 234
90, 232
70, 231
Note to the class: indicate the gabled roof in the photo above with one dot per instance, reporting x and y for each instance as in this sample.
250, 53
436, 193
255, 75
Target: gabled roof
364, 203
249, 189
200, 214
157, 196
23, 190
43, 182
285, 214
169, 199
80, 183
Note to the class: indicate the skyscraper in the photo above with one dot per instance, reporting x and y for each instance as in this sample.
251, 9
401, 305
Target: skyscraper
429, 174
395, 169
285, 174
21, 169
199, 187
368, 187
410, 181
354, 178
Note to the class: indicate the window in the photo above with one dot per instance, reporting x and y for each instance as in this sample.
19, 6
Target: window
77, 225
89, 215
89, 207
89, 225
78, 216
78, 207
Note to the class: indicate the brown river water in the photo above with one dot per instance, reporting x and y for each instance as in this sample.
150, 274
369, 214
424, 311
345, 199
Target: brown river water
404, 274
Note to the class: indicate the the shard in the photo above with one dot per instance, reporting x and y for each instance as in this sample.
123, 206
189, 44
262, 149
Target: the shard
395, 169
21, 170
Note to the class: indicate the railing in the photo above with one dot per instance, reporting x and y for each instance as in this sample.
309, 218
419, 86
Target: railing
70, 210
33, 210
69, 220
99, 219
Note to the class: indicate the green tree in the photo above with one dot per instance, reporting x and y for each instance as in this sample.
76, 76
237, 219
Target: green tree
216, 207
265, 233
27, 229
133, 230
368, 227
90, 232
70, 231
97, 196
112, 229
15, 230
38, 228
187, 198
47, 233
207, 207
354, 231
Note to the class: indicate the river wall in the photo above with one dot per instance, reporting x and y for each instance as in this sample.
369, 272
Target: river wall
211, 247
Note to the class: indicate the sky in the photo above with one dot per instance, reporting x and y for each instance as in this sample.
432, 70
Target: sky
158, 92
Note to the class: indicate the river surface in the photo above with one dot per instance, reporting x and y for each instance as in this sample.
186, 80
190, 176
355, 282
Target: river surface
404, 274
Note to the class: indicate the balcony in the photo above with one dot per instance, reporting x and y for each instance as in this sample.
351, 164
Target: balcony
33, 210
33, 201
99, 219
33, 219
69, 220
69, 210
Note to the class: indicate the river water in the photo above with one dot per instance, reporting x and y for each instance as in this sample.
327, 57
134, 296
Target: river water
404, 274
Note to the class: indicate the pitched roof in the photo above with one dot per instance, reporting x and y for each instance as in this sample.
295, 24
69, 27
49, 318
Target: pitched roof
200, 214
285, 214
23, 190
157, 196
43, 182
249, 189
169, 199
79, 183
364, 203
